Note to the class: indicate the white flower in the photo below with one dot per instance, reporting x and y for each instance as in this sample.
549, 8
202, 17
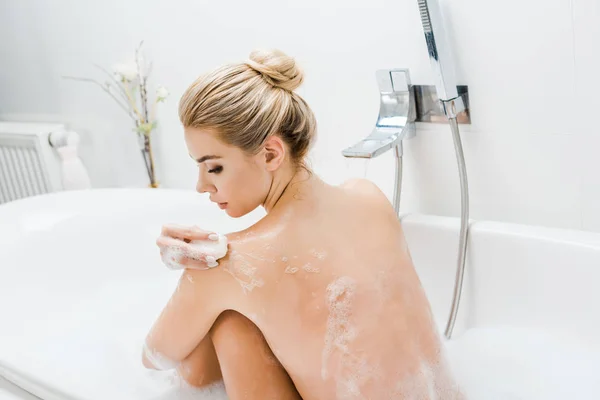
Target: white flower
126, 71
162, 93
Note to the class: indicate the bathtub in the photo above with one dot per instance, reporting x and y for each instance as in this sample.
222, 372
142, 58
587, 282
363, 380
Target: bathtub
81, 282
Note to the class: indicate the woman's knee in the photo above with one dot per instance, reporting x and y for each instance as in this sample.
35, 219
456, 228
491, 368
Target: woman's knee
249, 367
235, 335
230, 320
201, 367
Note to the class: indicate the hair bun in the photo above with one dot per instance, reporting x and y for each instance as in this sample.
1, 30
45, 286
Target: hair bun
277, 68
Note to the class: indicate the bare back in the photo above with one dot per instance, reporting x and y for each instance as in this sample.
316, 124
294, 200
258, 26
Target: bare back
330, 283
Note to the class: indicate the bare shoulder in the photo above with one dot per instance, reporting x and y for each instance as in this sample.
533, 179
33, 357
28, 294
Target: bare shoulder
248, 255
358, 183
232, 280
362, 186
366, 190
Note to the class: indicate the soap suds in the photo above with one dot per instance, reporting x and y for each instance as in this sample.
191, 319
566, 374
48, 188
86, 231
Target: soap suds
263, 236
243, 272
321, 255
431, 380
383, 287
172, 257
254, 256
291, 270
310, 268
356, 372
158, 360
339, 331
349, 369
178, 388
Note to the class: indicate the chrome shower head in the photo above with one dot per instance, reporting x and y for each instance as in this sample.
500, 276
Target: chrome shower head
440, 56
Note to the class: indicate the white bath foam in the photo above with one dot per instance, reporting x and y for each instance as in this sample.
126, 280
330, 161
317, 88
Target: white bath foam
308, 267
94, 351
318, 254
430, 381
384, 287
340, 332
159, 360
291, 270
354, 374
523, 364
172, 258
243, 271
184, 391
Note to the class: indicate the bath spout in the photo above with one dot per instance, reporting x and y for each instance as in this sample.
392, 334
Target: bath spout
378, 142
396, 120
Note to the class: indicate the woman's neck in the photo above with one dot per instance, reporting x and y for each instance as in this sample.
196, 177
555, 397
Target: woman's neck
285, 184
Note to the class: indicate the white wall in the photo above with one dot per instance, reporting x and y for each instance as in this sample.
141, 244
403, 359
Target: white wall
532, 69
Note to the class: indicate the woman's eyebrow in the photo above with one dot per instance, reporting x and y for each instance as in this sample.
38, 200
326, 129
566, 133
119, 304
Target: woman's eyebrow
205, 158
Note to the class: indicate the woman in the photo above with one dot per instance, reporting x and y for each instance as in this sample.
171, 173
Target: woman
319, 299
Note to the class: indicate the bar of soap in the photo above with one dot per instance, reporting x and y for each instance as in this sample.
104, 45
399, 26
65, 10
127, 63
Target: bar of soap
208, 251
210, 248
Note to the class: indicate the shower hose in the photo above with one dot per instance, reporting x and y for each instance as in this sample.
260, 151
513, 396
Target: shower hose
464, 218
464, 227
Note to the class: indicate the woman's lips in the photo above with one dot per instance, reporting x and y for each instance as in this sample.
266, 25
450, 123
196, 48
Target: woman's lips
222, 206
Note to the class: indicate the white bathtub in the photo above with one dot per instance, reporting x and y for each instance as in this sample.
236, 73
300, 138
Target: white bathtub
81, 282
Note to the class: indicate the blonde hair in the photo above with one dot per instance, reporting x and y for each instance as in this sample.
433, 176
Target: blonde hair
248, 102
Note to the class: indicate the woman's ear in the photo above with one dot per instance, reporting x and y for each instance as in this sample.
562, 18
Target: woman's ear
274, 153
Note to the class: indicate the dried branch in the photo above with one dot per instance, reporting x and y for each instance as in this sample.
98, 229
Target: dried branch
143, 80
126, 109
115, 81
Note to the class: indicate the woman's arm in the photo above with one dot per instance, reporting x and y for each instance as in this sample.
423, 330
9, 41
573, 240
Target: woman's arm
186, 319
201, 296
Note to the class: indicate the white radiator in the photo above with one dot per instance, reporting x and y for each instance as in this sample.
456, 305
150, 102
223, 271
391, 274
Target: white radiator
29, 165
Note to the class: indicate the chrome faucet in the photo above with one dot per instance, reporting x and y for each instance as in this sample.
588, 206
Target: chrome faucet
396, 119
396, 122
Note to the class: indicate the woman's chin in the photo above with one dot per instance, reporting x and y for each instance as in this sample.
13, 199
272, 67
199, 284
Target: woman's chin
232, 213
235, 213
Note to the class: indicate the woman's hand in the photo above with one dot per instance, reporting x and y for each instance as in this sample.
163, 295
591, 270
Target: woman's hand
177, 252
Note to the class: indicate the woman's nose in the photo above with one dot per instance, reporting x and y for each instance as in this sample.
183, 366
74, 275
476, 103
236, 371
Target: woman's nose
202, 186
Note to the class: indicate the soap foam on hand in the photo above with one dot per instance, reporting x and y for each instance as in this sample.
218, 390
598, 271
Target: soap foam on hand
200, 250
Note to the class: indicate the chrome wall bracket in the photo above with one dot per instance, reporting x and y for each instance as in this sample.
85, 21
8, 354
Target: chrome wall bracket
430, 109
